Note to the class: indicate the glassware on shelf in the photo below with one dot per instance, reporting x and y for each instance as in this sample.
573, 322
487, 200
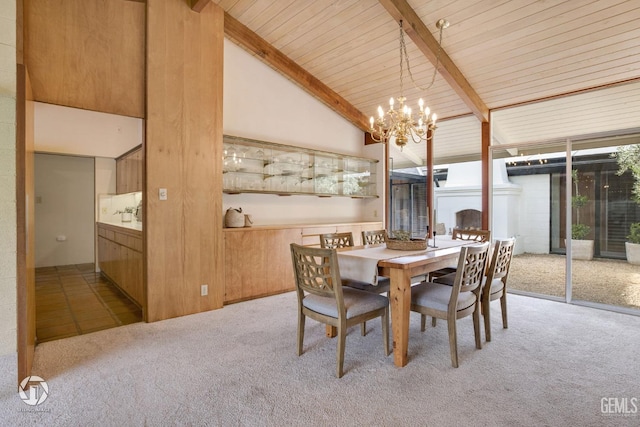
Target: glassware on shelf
257, 166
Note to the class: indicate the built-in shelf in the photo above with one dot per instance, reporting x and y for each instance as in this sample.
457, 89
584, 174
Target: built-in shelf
252, 166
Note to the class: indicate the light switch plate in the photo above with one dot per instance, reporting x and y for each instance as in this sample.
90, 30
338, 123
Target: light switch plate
162, 194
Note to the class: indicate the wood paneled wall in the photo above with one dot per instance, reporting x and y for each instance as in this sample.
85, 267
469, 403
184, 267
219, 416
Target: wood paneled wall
25, 195
87, 54
183, 148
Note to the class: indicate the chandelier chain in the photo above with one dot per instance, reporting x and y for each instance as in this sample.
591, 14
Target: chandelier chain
403, 50
406, 57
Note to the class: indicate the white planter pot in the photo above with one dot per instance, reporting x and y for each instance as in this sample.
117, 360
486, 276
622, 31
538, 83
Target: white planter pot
582, 249
633, 253
126, 216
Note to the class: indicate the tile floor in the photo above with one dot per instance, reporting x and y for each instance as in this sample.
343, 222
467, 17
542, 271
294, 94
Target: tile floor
74, 300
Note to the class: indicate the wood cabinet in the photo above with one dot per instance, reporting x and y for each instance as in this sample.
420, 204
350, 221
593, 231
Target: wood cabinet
258, 259
129, 171
120, 259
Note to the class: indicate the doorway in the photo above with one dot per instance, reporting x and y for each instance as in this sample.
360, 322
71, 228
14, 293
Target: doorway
71, 297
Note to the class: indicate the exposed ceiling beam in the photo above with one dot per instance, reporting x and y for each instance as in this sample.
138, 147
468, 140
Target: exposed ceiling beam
421, 36
250, 41
198, 5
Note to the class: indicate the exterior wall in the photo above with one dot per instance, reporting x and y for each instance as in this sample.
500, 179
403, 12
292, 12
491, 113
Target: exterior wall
533, 212
520, 205
259, 103
8, 224
462, 190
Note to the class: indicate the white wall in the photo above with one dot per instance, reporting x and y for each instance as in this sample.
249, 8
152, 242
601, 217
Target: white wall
64, 208
8, 233
259, 103
66, 130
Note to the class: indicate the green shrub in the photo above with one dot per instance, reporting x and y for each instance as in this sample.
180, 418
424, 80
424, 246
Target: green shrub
579, 231
634, 233
579, 201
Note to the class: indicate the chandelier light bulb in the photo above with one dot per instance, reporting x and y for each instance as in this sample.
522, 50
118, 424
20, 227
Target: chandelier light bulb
380, 112
434, 117
391, 103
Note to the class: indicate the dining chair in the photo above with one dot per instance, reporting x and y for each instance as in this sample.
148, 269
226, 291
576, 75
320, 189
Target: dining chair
343, 240
455, 302
374, 237
496, 275
322, 297
495, 286
336, 240
479, 236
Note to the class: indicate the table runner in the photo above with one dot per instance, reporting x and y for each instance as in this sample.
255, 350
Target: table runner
362, 264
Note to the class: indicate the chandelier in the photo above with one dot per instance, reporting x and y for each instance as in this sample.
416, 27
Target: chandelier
399, 123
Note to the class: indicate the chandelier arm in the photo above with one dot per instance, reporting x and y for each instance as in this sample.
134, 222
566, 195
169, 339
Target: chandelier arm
414, 135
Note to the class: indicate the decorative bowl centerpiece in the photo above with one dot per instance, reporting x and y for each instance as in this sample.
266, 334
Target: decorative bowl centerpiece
402, 241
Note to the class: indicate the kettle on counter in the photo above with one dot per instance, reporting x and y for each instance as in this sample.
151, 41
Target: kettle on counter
234, 218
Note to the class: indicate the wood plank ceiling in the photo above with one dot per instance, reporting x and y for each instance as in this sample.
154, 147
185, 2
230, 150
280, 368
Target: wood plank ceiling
510, 52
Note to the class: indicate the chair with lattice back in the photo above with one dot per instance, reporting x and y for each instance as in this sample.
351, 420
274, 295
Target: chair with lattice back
471, 235
342, 240
336, 240
495, 286
374, 237
322, 297
457, 301
479, 236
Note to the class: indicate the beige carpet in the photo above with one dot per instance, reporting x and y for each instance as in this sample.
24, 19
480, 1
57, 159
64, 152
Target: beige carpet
237, 367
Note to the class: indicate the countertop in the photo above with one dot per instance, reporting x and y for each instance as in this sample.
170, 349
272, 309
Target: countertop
303, 225
133, 225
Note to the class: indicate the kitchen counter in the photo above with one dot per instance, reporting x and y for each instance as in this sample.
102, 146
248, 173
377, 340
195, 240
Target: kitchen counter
120, 257
133, 225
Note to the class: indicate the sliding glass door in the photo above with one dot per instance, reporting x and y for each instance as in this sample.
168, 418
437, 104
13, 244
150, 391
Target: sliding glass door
587, 213
527, 204
603, 211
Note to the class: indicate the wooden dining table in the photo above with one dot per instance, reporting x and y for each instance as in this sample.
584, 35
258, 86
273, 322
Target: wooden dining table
400, 268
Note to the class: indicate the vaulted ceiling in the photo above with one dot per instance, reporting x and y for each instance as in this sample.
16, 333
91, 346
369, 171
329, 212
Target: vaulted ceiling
581, 58
508, 52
